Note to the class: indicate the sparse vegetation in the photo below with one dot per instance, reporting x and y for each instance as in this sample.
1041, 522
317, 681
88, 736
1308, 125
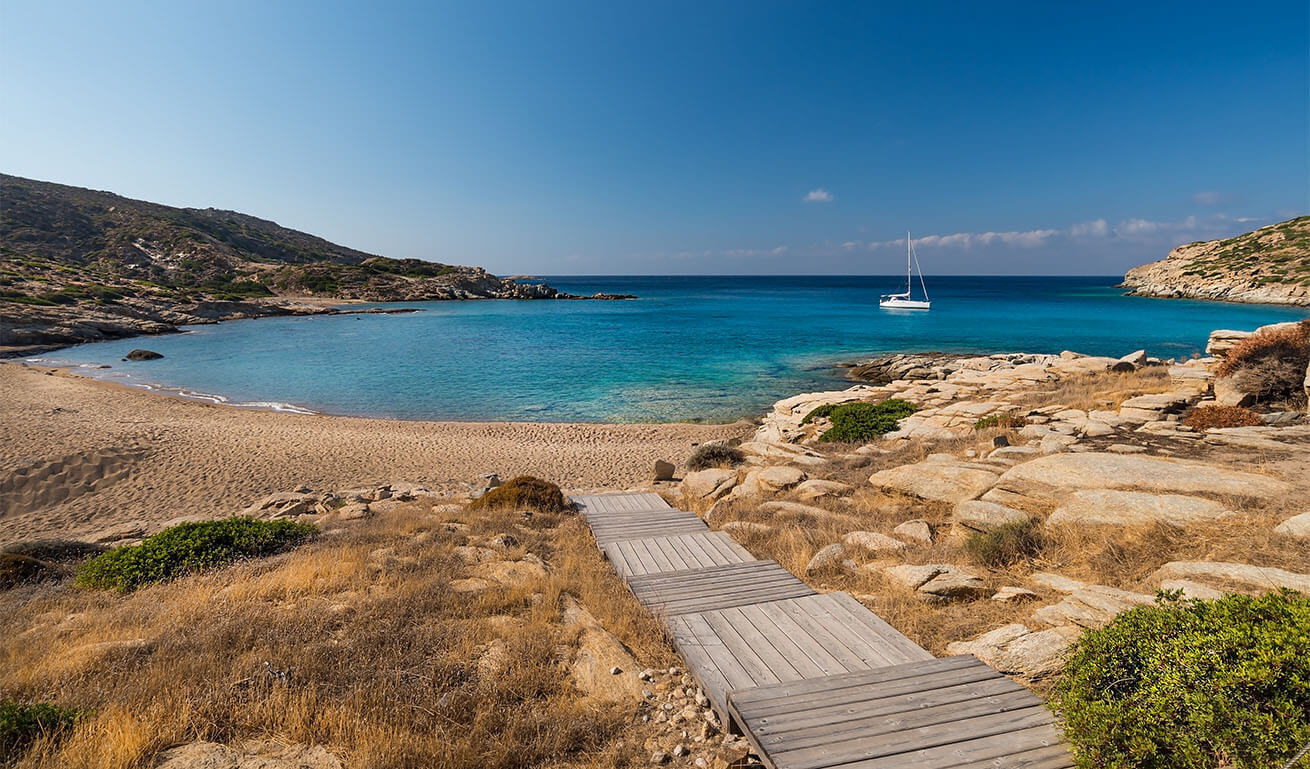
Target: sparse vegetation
523, 493
862, 422
1006, 545
1000, 422
188, 548
1206, 417
1271, 364
715, 455
1194, 684
16, 569
22, 724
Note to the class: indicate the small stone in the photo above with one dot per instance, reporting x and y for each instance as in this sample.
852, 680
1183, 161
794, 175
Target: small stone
659, 757
664, 470
615, 670
829, 557
1012, 594
916, 529
646, 675
680, 751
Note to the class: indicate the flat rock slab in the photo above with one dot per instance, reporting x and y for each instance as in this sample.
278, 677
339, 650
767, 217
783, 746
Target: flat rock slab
1093, 606
936, 481
954, 711
1018, 649
1297, 526
1059, 475
1258, 578
1107, 507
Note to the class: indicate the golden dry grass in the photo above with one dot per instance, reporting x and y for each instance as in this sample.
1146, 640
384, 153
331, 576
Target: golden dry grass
380, 656
1102, 390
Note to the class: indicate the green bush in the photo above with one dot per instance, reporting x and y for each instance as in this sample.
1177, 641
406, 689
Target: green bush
188, 548
22, 724
1192, 684
861, 422
1003, 421
523, 493
715, 455
1005, 545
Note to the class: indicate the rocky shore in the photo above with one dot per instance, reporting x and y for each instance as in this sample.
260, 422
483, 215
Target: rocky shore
82, 265
1270, 265
1092, 455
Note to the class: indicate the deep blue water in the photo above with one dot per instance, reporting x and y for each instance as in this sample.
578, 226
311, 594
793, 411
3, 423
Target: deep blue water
713, 348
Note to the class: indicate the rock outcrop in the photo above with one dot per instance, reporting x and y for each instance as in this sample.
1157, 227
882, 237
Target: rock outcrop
1270, 265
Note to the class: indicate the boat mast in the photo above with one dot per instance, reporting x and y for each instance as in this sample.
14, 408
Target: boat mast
907, 264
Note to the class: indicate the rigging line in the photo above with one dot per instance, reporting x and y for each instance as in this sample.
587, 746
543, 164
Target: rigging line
920, 269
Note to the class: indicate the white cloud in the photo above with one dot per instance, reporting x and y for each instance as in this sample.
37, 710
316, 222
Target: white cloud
775, 251
851, 244
1096, 228
1026, 239
1210, 198
819, 195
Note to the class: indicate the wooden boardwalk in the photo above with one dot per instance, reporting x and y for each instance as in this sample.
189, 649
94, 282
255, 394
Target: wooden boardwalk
813, 680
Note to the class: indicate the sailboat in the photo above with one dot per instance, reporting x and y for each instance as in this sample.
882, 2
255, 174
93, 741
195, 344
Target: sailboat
903, 301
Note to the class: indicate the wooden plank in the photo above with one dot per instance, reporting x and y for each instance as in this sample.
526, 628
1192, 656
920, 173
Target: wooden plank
605, 534
790, 646
844, 646
829, 706
882, 675
599, 505
890, 635
740, 650
985, 750
914, 739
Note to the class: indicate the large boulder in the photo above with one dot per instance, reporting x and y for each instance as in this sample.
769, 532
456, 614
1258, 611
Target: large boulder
1222, 340
708, 484
938, 580
1018, 650
1058, 475
873, 541
1227, 393
778, 478
599, 653
143, 355
1107, 507
827, 559
936, 480
1297, 526
976, 515
1091, 607
816, 488
1255, 578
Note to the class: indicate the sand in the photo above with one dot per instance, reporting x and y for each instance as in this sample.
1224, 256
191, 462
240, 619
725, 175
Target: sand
78, 456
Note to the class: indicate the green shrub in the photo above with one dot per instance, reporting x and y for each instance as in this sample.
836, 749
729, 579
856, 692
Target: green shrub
188, 548
715, 455
523, 493
1002, 421
1005, 545
862, 422
1194, 684
23, 724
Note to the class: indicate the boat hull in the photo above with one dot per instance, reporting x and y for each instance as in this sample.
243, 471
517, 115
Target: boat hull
904, 304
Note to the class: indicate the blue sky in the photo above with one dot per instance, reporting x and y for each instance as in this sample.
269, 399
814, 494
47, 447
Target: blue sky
670, 137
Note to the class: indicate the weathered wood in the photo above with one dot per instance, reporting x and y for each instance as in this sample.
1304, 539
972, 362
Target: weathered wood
948, 712
813, 681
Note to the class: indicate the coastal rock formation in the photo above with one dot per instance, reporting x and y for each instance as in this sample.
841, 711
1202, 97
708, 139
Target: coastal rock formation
81, 265
1107, 507
1270, 265
1019, 650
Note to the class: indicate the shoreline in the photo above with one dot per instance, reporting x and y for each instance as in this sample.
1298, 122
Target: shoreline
79, 456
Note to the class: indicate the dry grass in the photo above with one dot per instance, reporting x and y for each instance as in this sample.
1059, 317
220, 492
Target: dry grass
380, 655
1206, 417
1102, 390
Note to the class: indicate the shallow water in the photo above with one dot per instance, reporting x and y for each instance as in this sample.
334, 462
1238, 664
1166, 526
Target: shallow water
713, 348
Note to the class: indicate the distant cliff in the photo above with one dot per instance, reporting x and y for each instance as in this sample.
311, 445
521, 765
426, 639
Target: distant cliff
1271, 264
79, 265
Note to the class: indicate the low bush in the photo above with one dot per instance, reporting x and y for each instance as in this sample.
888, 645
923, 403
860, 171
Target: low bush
1001, 421
715, 455
1271, 364
1206, 417
55, 550
16, 569
1195, 684
188, 548
1006, 545
23, 724
862, 422
523, 493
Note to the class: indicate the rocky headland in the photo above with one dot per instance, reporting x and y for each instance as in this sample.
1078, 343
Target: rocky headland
1270, 265
79, 265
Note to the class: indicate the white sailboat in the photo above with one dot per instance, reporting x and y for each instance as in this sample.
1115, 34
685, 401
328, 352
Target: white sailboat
904, 301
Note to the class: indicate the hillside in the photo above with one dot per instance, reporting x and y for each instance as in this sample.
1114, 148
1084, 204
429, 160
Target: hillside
1271, 264
80, 265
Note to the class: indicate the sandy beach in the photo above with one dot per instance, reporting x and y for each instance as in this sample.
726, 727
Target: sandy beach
77, 455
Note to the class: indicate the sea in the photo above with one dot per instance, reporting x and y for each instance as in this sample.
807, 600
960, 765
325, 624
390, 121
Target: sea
710, 349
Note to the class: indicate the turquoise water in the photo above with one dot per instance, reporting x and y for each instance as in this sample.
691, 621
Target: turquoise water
690, 348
